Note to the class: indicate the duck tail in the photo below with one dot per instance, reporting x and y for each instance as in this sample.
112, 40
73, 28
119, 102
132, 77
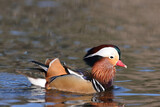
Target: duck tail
43, 66
52, 67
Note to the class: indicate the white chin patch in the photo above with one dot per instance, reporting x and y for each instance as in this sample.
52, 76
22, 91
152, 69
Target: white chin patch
105, 52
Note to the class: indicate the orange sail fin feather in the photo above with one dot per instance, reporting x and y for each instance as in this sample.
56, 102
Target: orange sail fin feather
102, 59
55, 69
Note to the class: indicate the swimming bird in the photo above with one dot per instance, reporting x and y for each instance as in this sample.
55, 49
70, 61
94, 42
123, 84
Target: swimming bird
102, 59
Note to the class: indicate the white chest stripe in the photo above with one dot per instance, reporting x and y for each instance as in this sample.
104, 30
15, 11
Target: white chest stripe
98, 86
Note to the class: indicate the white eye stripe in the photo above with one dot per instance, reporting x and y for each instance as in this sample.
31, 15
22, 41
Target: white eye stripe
105, 52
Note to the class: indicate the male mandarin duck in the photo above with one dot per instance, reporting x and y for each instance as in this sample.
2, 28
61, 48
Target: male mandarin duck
102, 59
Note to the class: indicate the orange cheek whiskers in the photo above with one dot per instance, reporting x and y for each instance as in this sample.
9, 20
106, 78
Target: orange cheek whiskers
103, 71
103, 76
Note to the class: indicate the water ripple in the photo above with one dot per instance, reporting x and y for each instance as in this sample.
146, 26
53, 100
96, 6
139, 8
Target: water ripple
43, 4
18, 33
145, 69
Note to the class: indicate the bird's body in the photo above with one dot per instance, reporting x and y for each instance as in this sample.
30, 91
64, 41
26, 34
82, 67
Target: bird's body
102, 59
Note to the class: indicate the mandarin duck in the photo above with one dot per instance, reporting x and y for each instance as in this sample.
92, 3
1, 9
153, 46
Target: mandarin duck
102, 59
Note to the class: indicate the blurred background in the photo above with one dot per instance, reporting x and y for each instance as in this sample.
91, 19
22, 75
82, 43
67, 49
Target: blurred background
40, 29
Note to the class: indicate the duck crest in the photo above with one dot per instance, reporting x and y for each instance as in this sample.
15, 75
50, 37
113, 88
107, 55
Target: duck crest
103, 71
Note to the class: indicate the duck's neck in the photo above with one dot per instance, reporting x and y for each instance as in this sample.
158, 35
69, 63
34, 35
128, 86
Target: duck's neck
103, 71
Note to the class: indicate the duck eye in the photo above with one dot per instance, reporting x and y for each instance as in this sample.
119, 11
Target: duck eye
111, 57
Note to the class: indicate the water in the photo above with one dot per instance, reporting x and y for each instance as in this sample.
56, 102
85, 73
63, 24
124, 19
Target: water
36, 30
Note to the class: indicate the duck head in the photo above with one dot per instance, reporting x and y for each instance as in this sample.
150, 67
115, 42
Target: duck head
103, 60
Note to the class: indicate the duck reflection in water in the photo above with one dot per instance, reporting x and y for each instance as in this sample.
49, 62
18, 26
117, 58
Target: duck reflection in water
102, 99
